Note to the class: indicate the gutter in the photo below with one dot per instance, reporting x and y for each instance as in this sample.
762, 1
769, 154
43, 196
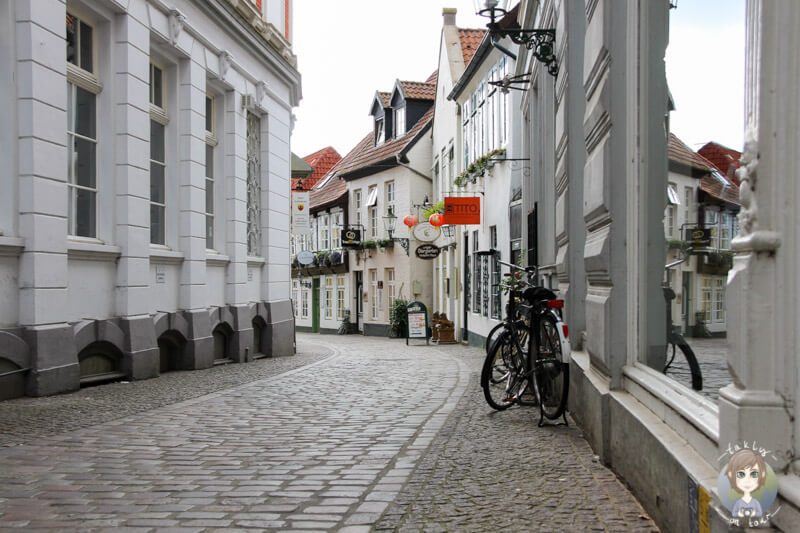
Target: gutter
412, 169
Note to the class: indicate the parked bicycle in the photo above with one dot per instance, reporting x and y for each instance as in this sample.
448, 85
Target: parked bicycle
676, 339
527, 361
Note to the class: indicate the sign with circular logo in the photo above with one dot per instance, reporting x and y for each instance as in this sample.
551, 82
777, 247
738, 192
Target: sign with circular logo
305, 257
428, 251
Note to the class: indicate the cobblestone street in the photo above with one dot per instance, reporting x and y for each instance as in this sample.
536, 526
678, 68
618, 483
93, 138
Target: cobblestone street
352, 434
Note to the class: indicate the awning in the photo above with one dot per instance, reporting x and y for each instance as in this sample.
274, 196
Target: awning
672, 195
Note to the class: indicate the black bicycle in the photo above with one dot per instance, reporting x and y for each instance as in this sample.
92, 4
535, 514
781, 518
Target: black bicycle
675, 338
527, 354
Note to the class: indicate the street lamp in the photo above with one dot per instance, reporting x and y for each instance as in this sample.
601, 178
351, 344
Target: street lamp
389, 223
541, 42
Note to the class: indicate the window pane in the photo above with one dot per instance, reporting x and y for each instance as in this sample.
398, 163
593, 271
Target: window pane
156, 141
86, 47
156, 224
72, 39
85, 213
209, 161
156, 88
84, 113
209, 114
209, 196
157, 183
209, 231
85, 162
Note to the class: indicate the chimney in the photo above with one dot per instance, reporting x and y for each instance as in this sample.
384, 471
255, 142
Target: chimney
449, 15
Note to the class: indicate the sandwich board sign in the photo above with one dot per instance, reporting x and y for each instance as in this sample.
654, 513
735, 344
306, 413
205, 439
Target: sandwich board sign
417, 320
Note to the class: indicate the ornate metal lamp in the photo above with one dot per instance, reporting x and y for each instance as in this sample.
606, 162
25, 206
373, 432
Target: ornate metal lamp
389, 223
541, 42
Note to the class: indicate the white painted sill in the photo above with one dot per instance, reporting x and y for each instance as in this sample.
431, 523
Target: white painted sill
91, 250
164, 255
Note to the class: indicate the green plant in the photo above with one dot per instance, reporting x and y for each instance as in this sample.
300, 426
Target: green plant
385, 243
478, 166
366, 245
398, 319
438, 207
677, 244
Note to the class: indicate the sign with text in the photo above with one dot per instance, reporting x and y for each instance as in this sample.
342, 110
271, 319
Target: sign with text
351, 237
462, 210
301, 218
427, 251
699, 237
417, 317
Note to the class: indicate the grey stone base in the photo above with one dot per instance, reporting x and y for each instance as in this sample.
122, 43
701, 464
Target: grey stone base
322, 331
634, 447
376, 330
473, 339
45, 360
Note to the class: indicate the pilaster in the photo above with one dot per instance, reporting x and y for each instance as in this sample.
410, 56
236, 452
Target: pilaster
235, 187
191, 172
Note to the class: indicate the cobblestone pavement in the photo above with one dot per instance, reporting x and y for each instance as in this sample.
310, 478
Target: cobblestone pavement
375, 429
712, 356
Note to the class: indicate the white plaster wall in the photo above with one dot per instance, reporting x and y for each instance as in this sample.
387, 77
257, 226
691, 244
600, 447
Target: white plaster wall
164, 296
215, 282
90, 292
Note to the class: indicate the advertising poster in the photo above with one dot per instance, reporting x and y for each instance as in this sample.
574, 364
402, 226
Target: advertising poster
301, 220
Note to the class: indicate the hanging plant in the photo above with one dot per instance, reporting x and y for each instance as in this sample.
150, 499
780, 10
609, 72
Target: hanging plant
386, 243
438, 207
336, 258
477, 168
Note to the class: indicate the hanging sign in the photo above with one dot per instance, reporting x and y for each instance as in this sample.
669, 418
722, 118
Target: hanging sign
417, 319
305, 257
698, 236
301, 218
462, 210
428, 251
351, 237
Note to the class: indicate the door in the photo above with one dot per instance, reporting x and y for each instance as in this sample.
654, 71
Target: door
359, 302
315, 305
466, 292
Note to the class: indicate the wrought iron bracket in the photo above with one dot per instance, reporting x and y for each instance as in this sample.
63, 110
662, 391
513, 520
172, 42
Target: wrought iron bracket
403, 242
542, 43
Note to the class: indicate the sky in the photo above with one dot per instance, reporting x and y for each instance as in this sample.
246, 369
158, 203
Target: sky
349, 49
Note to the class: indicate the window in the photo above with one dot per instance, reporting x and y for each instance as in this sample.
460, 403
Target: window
211, 143
81, 131
706, 293
389, 193
379, 133
304, 305
157, 86
451, 171
465, 133
357, 196
476, 275
372, 199
390, 295
158, 199
400, 121
295, 301
436, 171
496, 295
711, 220
719, 299
329, 297
670, 229
253, 184
725, 231
373, 293
336, 231
340, 298
687, 197
373, 221
324, 233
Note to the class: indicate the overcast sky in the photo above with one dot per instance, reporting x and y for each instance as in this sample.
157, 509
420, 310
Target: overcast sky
349, 49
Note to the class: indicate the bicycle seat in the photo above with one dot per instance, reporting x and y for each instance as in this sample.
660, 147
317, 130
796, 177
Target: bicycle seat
538, 294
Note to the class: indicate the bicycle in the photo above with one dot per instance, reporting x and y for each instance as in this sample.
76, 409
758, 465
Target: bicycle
533, 325
674, 336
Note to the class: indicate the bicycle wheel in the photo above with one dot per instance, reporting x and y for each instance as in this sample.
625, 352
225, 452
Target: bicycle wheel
694, 367
502, 377
552, 375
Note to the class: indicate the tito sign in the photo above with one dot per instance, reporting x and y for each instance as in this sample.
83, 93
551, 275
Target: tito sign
462, 210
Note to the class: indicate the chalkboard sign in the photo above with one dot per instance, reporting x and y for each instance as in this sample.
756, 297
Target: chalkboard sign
417, 320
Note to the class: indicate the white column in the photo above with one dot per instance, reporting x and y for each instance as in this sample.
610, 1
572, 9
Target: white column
131, 171
763, 308
191, 125
235, 187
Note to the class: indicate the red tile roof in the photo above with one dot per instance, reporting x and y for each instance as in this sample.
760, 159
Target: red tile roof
470, 40
328, 191
385, 97
321, 161
416, 90
724, 158
366, 154
712, 181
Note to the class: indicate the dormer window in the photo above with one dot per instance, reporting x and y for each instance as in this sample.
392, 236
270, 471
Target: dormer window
400, 121
379, 131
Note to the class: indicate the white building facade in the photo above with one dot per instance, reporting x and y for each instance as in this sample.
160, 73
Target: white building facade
147, 225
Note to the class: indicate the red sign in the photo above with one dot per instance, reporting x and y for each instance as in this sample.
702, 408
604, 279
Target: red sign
462, 210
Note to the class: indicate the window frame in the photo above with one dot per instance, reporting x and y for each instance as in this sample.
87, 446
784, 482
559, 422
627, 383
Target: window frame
399, 121
210, 181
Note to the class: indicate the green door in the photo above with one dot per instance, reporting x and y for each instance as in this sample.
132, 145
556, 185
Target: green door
315, 305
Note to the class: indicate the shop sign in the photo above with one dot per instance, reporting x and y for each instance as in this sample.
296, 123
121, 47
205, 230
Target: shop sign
428, 251
462, 210
417, 319
698, 236
301, 219
351, 237
305, 257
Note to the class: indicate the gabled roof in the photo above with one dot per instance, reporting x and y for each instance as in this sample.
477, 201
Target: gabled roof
416, 90
320, 162
678, 152
470, 40
331, 188
367, 158
712, 181
724, 158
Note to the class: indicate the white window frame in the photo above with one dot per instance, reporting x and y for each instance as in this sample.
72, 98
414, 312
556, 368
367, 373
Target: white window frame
329, 297
304, 304
400, 121
336, 231
380, 131
211, 144
373, 289
158, 115
340, 294
388, 276
390, 193
324, 232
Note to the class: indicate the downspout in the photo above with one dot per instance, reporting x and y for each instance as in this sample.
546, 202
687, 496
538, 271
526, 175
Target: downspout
415, 171
502, 48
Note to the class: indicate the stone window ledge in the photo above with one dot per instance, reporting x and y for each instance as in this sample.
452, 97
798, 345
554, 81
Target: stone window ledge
255, 261
11, 246
92, 250
215, 259
163, 255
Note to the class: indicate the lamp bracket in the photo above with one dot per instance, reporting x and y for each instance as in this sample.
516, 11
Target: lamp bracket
541, 42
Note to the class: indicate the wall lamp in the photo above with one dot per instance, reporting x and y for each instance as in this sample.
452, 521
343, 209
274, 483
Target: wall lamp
540, 42
389, 223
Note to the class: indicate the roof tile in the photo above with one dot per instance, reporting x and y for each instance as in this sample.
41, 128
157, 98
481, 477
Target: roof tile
417, 90
321, 161
470, 40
